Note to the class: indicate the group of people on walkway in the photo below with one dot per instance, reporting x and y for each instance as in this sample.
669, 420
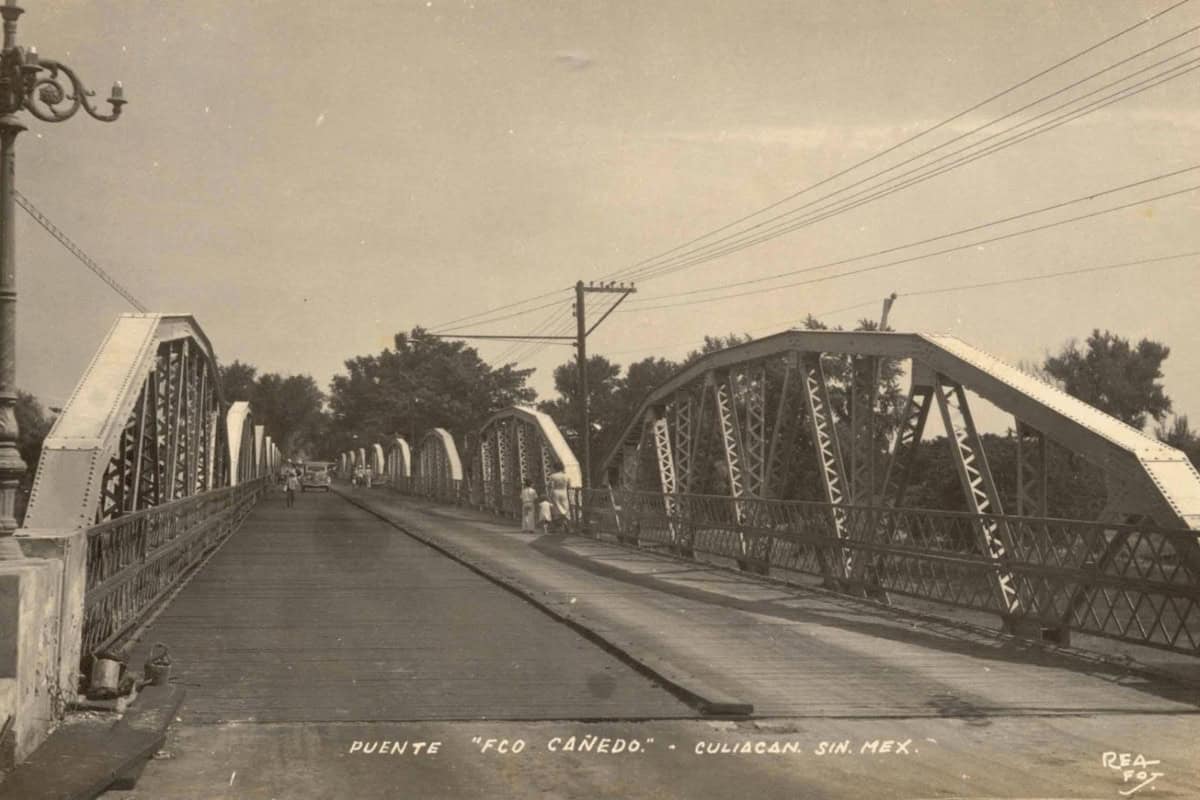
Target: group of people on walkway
548, 513
361, 476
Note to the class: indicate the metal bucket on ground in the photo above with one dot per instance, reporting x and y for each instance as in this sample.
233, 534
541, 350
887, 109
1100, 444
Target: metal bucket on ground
106, 677
158, 665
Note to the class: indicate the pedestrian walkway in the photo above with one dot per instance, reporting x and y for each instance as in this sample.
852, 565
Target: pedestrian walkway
788, 652
322, 612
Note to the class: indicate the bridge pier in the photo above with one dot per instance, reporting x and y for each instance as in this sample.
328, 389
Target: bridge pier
30, 638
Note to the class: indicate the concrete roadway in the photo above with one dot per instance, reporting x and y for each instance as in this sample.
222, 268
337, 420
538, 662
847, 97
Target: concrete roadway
320, 632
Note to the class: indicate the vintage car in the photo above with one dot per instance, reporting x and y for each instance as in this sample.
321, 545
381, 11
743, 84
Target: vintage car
315, 476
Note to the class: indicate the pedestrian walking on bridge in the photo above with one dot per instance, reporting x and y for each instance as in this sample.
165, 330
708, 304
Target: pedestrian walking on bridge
560, 498
291, 486
529, 498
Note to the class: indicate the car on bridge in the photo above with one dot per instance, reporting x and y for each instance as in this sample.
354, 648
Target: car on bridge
315, 476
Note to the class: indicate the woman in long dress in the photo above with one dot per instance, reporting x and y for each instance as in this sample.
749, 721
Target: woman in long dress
528, 509
560, 498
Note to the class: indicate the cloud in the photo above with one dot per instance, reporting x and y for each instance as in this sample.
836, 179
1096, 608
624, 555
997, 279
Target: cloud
573, 59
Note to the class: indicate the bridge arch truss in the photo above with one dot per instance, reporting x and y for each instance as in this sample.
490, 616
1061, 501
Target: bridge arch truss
516, 445
145, 426
773, 453
438, 467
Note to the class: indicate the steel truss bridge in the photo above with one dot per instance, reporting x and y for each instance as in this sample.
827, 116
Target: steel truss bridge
777, 457
716, 462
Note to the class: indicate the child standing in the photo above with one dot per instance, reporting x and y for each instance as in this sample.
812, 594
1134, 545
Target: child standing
544, 514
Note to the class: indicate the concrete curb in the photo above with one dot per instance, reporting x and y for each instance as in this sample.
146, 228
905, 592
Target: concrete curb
80, 763
708, 700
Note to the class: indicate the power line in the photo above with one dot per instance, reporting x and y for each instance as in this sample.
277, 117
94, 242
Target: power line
911, 259
474, 318
1047, 276
76, 250
771, 326
957, 288
931, 239
743, 239
490, 320
552, 326
633, 268
563, 328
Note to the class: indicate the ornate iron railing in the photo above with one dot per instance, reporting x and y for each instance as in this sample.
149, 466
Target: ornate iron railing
1133, 583
134, 561
443, 490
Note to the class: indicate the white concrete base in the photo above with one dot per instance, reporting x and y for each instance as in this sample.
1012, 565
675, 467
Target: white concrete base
29, 647
69, 547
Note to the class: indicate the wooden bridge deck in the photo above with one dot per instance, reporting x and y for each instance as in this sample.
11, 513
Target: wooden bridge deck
322, 612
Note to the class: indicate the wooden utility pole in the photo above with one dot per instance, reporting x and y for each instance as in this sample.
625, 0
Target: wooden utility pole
581, 334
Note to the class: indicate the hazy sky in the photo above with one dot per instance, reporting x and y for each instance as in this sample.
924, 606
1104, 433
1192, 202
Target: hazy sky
307, 178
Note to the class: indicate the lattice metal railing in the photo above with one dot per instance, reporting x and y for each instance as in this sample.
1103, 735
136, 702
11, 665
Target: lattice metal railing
444, 490
134, 561
1135, 583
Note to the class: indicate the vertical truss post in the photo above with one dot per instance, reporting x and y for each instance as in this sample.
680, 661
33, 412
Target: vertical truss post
864, 386
547, 461
754, 431
905, 445
976, 477
829, 455
1031, 471
699, 452
723, 391
755, 444
487, 475
145, 493
192, 414
503, 465
212, 475
686, 462
666, 470
683, 407
205, 429
783, 434
497, 493
523, 465
899, 471
176, 424
723, 404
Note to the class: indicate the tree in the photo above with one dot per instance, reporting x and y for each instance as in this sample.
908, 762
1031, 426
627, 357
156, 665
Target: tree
422, 382
642, 378
237, 381
292, 409
1115, 377
604, 404
713, 344
33, 424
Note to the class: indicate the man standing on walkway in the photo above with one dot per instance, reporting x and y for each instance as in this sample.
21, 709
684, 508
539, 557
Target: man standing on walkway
291, 486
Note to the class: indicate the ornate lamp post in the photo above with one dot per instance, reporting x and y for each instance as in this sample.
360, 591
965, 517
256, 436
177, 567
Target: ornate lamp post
52, 92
